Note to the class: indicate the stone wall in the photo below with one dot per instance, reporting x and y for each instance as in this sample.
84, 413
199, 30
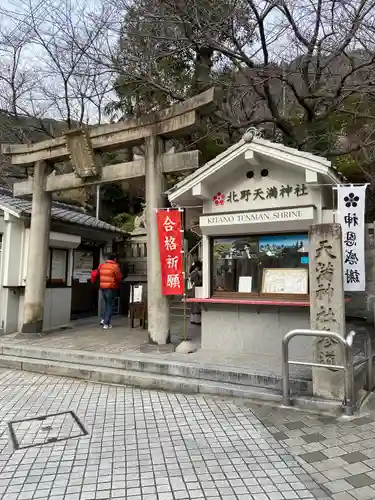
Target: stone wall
362, 304
256, 332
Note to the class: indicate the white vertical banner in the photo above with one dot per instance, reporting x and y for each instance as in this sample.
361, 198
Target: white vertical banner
351, 216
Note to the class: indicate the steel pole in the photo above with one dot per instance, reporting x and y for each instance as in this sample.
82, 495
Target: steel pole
285, 372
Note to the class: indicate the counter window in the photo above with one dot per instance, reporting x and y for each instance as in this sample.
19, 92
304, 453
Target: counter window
260, 265
57, 270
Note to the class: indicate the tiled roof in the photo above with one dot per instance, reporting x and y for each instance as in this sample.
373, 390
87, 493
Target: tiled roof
60, 211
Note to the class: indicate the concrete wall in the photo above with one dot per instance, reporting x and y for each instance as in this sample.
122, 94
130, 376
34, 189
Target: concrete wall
57, 307
256, 331
13, 252
10, 308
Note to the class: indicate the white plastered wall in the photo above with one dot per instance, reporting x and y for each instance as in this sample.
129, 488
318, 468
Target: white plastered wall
13, 271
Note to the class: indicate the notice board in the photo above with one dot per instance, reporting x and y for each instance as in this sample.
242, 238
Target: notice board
285, 281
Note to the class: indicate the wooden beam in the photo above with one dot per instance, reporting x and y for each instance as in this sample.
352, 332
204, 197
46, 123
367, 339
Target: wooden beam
177, 162
178, 119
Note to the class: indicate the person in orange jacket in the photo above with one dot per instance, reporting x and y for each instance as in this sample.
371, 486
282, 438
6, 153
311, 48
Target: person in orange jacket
110, 276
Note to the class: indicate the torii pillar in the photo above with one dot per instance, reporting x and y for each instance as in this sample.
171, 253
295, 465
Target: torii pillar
38, 252
81, 147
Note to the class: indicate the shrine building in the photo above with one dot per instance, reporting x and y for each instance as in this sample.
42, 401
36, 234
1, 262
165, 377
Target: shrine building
258, 200
77, 243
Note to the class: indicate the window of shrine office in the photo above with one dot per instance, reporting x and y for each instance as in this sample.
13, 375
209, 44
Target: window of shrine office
267, 265
57, 268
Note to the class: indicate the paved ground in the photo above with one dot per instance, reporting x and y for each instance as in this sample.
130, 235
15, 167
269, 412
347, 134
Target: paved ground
340, 455
151, 445
142, 445
87, 336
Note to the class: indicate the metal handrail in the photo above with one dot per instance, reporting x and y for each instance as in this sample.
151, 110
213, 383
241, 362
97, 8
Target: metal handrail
189, 254
194, 247
368, 355
349, 404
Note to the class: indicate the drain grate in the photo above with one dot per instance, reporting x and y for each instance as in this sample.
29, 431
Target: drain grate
45, 429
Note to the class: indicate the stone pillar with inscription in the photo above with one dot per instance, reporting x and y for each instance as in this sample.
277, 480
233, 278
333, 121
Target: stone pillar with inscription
327, 309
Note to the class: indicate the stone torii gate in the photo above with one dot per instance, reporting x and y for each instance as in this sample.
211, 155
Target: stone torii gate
82, 147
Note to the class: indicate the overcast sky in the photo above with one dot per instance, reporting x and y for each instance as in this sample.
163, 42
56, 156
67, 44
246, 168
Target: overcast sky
40, 74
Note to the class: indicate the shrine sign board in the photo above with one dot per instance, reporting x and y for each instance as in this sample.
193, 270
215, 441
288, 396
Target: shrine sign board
351, 216
257, 216
327, 306
285, 191
171, 251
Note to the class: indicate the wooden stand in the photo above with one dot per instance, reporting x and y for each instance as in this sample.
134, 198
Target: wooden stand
138, 310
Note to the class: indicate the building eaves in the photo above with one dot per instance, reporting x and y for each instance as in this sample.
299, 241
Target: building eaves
60, 212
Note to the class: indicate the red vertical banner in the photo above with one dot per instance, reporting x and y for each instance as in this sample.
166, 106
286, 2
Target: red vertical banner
171, 251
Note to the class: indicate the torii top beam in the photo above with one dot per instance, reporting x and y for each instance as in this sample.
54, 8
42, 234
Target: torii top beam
178, 119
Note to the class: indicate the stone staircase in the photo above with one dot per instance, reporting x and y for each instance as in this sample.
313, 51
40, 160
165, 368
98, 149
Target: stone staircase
177, 306
153, 367
146, 371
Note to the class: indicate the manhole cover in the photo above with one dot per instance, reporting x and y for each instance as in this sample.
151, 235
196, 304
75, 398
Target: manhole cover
45, 429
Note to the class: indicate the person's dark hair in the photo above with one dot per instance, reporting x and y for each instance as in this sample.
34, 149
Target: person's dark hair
198, 265
112, 256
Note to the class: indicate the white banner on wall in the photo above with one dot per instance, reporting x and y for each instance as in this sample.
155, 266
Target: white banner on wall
351, 216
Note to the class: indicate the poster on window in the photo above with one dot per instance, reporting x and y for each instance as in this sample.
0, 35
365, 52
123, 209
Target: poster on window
288, 281
83, 265
283, 244
58, 266
171, 251
351, 216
